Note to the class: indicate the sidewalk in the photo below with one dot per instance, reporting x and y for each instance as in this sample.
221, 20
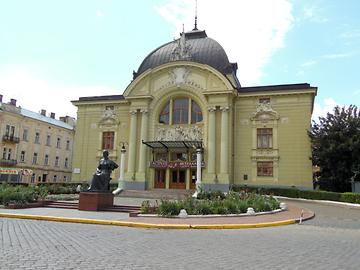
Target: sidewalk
290, 216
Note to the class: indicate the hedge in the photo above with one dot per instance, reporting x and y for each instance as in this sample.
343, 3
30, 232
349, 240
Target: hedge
305, 194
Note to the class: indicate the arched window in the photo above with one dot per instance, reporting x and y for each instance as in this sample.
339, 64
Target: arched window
164, 115
178, 111
196, 114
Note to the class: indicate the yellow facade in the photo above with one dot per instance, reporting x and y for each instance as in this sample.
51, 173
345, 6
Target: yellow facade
228, 132
25, 134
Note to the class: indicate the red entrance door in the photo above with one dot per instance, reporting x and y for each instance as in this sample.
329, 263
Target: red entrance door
159, 179
178, 179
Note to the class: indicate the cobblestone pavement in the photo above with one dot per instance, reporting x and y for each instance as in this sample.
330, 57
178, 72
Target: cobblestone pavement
330, 241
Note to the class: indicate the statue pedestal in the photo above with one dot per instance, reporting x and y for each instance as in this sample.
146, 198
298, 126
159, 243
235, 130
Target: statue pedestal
95, 201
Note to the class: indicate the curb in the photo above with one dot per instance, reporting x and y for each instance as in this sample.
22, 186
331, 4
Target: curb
325, 202
149, 225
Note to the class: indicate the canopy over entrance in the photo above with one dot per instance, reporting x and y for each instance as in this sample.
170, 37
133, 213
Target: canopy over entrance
174, 144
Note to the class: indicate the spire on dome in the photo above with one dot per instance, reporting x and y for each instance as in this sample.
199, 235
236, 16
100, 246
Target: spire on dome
195, 25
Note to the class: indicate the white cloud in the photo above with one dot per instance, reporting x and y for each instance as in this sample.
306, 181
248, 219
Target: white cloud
309, 63
321, 110
337, 55
250, 35
313, 14
35, 94
99, 13
351, 34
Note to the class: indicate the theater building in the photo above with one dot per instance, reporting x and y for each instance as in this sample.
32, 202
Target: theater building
184, 97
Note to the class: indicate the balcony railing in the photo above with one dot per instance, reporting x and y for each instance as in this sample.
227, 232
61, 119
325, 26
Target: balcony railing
10, 138
8, 162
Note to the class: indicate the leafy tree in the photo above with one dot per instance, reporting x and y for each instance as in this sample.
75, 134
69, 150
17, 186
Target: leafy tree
336, 148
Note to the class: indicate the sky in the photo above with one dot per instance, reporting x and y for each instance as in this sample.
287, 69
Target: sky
52, 52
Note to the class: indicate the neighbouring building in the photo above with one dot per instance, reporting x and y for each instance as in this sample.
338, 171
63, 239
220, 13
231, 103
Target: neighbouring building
34, 147
186, 96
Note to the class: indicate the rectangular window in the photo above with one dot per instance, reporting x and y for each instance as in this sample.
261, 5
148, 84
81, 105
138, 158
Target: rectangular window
37, 137
7, 131
264, 168
55, 178
12, 131
66, 164
9, 154
33, 178
58, 141
65, 178
111, 108
108, 140
34, 161
22, 156
25, 135
264, 138
46, 160
67, 145
56, 161
4, 153
48, 140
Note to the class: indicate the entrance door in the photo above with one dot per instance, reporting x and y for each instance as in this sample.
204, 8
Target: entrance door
193, 179
178, 178
159, 179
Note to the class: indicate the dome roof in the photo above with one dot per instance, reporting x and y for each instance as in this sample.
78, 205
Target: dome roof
195, 46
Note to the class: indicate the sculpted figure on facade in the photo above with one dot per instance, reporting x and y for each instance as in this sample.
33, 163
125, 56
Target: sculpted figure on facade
180, 133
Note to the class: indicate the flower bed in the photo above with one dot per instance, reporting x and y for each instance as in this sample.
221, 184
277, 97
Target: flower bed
214, 202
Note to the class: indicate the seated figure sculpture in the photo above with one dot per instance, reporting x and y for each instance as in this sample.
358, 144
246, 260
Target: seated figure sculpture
101, 178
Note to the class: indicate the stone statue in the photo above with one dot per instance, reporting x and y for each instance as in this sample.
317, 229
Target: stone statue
101, 178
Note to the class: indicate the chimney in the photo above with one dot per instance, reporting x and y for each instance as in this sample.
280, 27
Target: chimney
43, 112
63, 119
13, 102
1, 96
52, 115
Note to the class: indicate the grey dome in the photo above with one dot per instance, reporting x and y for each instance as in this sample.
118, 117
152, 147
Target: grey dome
202, 49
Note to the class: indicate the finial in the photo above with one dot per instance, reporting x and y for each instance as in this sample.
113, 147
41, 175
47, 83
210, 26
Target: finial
195, 26
183, 29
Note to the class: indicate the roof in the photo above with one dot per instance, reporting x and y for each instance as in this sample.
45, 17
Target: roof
101, 98
280, 87
49, 120
198, 48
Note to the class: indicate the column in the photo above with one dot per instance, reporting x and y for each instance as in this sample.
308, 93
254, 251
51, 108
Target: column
122, 169
132, 142
143, 135
198, 168
224, 146
211, 141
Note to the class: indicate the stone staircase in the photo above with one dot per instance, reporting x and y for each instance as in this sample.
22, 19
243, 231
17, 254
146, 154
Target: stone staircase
171, 194
75, 205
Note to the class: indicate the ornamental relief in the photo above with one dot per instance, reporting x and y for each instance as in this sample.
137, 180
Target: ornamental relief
179, 133
109, 118
178, 77
264, 112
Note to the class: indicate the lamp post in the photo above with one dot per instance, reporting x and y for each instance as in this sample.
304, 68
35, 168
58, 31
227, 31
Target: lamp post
198, 171
121, 178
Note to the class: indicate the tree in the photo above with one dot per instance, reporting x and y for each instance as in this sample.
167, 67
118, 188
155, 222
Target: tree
336, 148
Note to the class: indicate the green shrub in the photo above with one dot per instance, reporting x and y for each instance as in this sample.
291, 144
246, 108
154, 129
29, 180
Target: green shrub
350, 197
319, 195
232, 203
169, 208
